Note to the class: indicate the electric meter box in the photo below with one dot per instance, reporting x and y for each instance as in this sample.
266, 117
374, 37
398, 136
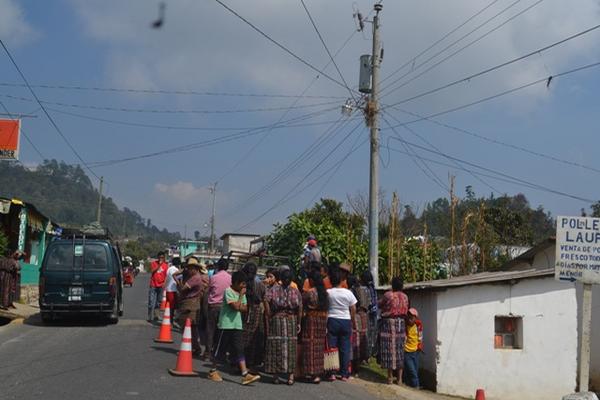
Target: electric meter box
364, 83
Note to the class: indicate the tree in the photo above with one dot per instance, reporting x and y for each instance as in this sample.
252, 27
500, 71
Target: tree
339, 234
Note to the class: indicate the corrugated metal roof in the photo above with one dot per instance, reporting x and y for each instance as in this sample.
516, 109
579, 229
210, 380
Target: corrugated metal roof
479, 278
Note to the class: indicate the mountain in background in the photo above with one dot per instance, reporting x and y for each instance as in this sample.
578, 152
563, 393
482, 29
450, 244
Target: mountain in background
65, 194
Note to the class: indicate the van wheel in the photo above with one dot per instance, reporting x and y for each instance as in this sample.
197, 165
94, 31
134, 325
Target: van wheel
46, 317
113, 317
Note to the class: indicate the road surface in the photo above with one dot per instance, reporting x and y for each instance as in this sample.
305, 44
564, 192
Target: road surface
90, 360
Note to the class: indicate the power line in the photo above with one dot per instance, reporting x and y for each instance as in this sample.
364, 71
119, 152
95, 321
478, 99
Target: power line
186, 128
434, 147
166, 92
496, 67
276, 43
312, 21
10, 115
495, 96
263, 138
167, 111
519, 180
500, 143
54, 125
462, 48
355, 146
416, 158
187, 147
412, 60
308, 153
287, 196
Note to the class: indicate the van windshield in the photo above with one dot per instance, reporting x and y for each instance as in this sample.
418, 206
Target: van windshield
66, 257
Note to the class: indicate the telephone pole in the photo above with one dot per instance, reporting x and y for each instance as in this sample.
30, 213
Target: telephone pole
213, 190
372, 110
99, 213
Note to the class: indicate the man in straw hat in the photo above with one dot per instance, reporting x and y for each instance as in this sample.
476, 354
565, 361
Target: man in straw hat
191, 292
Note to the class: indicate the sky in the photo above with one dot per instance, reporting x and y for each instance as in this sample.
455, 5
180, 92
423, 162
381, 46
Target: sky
260, 115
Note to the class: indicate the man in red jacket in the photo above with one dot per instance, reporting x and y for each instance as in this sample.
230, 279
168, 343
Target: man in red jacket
158, 269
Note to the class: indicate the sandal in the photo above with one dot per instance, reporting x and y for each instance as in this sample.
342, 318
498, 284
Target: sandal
290, 381
316, 380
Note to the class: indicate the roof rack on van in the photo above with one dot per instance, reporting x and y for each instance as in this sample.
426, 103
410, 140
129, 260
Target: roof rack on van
90, 231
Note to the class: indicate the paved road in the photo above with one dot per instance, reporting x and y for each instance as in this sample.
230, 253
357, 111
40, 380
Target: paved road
89, 360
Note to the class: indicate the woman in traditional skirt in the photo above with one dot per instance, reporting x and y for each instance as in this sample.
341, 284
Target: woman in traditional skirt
366, 280
283, 310
314, 327
360, 345
394, 306
253, 319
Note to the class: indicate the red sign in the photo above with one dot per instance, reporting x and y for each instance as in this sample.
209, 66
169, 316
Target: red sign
10, 132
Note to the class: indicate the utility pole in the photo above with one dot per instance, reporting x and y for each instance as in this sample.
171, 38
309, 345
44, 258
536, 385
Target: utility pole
213, 190
99, 213
372, 110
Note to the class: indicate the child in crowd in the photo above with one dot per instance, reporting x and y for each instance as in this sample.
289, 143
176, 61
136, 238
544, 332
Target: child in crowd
231, 329
412, 347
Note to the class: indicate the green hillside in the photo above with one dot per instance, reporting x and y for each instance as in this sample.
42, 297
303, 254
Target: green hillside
64, 193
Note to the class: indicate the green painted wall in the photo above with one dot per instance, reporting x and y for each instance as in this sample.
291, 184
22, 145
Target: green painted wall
30, 274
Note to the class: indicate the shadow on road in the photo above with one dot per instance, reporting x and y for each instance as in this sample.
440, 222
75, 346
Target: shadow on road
91, 321
169, 350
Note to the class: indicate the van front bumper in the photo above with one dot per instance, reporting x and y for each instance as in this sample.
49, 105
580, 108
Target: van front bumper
77, 307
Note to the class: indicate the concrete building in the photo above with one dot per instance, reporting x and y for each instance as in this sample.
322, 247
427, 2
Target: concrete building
510, 333
515, 332
237, 242
30, 231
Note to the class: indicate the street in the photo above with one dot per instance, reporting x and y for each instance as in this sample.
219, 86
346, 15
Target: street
88, 359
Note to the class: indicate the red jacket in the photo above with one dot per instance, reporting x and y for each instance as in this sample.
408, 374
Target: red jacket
159, 274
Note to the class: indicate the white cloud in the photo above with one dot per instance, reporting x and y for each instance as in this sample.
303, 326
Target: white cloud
183, 192
204, 46
14, 28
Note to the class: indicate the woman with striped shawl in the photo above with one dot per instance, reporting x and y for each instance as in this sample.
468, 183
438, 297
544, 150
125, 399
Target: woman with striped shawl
253, 319
392, 332
366, 282
314, 327
360, 344
283, 310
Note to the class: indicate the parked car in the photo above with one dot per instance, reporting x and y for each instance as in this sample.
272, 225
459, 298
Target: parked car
81, 275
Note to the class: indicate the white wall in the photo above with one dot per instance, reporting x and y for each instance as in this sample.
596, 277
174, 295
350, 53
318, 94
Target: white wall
546, 367
595, 337
237, 243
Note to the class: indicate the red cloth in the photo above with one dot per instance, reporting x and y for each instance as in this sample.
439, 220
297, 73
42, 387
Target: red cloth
159, 274
393, 304
172, 299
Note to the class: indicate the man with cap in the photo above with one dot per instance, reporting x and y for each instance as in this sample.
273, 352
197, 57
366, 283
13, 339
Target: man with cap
191, 293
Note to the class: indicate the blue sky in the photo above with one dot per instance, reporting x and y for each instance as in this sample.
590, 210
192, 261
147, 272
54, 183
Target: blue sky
204, 48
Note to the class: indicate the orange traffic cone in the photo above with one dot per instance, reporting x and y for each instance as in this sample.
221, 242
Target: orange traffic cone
184, 357
480, 394
163, 302
164, 335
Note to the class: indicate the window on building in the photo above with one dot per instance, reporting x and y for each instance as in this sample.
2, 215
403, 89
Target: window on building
508, 332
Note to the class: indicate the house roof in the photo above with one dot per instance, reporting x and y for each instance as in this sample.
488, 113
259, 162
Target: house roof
479, 278
530, 254
239, 234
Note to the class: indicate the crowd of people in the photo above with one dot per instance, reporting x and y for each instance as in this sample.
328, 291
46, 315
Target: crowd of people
10, 278
286, 326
